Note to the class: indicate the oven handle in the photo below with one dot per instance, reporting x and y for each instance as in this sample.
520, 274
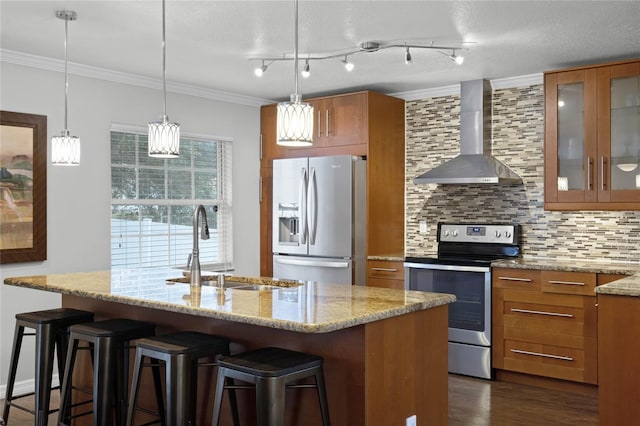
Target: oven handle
448, 267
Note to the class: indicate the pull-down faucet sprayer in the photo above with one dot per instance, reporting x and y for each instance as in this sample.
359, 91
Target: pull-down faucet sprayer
198, 214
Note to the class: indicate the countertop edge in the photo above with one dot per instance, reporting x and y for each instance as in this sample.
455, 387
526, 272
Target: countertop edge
439, 300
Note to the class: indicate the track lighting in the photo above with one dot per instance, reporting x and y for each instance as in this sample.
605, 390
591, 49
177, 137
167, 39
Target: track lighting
407, 57
347, 65
364, 47
260, 70
305, 71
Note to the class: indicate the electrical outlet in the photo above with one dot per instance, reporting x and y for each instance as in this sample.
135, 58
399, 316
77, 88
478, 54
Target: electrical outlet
423, 226
412, 421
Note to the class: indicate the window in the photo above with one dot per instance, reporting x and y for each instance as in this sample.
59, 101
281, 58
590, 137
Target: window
153, 200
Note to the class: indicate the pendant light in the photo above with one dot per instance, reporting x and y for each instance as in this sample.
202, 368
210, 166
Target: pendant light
164, 136
65, 149
295, 118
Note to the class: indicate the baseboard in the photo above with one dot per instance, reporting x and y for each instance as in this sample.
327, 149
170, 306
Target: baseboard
25, 386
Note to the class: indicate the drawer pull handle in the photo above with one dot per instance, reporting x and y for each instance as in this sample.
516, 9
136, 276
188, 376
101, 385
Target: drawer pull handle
563, 358
528, 280
566, 282
384, 269
552, 314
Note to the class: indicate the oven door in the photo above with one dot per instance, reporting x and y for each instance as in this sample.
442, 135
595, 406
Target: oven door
470, 315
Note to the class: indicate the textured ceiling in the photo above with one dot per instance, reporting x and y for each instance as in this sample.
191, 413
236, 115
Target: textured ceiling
209, 43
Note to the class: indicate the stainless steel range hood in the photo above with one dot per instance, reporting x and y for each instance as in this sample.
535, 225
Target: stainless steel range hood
475, 164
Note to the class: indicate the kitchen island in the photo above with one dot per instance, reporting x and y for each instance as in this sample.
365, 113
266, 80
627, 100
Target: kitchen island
385, 350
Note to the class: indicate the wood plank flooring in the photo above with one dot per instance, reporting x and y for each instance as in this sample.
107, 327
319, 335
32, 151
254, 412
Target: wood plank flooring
477, 402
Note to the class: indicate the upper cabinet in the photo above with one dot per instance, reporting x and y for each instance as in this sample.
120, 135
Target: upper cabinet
592, 138
340, 120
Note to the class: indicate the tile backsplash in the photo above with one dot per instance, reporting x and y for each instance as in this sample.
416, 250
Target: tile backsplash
432, 136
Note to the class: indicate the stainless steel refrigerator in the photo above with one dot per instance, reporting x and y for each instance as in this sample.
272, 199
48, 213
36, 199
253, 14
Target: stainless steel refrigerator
319, 219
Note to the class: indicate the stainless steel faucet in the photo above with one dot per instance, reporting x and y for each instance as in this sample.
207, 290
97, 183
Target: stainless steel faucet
199, 213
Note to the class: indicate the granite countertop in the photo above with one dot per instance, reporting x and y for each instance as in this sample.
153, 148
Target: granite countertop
308, 308
628, 286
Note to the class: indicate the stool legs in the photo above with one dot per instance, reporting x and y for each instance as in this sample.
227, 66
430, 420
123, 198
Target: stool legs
13, 368
322, 397
270, 401
45, 345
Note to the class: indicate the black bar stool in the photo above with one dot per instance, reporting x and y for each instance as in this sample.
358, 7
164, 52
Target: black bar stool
271, 370
51, 331
110, 341
181, 353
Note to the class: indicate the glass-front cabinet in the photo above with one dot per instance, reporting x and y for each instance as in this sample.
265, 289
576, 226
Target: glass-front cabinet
592, 138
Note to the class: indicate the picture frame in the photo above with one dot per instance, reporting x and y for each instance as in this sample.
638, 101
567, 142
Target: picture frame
23, 187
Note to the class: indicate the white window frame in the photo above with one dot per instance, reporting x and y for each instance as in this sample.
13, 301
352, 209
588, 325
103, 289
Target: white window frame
219, 259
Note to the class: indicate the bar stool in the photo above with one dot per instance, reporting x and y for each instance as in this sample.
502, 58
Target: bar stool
271, 370
180, 353
51, 331
110, 341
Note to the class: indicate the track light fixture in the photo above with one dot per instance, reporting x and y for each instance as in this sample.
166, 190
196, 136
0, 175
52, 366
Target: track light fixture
407, 57
260, 70
366, 47
455, 58
306, 71
347, 65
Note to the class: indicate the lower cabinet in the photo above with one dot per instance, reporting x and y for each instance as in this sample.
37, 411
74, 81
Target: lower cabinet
385, 273
545, 323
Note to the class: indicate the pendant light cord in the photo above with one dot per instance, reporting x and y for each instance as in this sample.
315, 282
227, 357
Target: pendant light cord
295, 48
66, 78
164, 67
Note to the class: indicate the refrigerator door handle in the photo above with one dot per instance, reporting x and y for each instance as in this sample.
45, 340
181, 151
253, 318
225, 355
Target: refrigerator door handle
312, 206
302, 200
321, 263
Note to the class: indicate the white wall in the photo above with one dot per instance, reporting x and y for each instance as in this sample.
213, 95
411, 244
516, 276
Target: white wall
78, 222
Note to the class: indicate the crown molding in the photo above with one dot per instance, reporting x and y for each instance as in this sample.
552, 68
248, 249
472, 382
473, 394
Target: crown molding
50, 64
454, 90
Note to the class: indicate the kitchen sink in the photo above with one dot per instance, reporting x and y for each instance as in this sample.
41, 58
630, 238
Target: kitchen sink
239, 284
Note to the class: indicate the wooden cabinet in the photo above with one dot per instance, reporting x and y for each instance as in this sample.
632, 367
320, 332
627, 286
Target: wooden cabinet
544, 323
618, 366
386, 274
366, 124
592, 137
340, 120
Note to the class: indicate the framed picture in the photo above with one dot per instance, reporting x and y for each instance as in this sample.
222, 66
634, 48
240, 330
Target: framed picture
23, 187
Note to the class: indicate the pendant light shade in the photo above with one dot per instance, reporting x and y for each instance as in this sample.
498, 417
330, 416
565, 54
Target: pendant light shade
295, 118
65, 149
295, 123
164, 135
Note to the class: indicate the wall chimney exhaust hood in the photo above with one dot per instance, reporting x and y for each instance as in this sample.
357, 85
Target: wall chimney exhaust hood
475, 164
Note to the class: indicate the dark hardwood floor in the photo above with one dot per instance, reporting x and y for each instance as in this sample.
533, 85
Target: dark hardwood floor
477, 402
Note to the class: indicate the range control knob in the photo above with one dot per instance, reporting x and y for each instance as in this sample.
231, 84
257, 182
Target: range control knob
498, 234
446, 232
507, 234
455, 233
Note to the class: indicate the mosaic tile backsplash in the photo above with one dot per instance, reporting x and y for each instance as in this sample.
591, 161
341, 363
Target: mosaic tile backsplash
432, 136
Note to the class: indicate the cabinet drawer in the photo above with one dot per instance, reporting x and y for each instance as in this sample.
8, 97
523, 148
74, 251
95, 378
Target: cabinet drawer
525, 279
545, 312
582, 283
561, 362
385, 283
385, 269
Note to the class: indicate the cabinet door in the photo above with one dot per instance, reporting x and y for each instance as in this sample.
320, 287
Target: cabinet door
269, 149
570, 136
619, 133
344, 120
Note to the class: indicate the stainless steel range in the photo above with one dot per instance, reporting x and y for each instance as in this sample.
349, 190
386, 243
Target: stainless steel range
465, 252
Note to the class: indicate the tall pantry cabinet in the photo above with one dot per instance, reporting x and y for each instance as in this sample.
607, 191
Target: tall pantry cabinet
365, 124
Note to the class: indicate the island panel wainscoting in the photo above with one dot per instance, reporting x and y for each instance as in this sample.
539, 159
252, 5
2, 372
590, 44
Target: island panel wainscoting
385, 350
